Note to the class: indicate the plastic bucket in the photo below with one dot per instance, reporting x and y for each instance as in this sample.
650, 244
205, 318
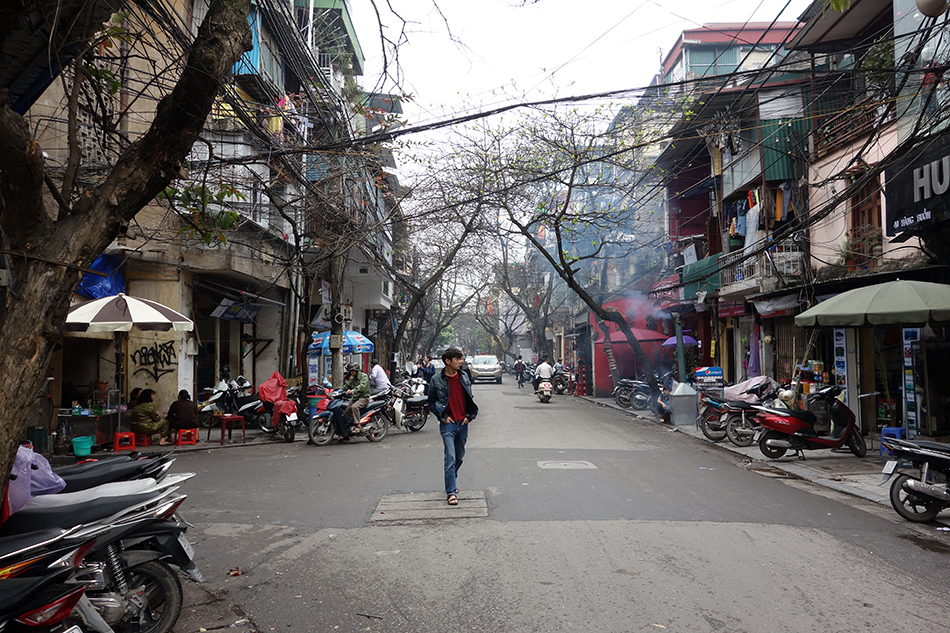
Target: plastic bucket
82, 445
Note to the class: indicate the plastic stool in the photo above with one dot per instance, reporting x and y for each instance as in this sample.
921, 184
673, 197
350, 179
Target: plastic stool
186, 436
891, 431
145, 439
228, 420
123, 441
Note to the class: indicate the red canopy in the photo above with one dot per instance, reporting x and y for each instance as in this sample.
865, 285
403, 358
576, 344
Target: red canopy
644, 336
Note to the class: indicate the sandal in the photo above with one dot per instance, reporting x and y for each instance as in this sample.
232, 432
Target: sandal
453, 500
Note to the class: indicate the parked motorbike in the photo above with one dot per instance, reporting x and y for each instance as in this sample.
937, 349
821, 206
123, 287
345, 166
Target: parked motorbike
920, 490
827, 424
39, 604
411, 409
280, 411
738, 416
90, 473
545, 389
632, 393
330, 423
132, 538
561, 382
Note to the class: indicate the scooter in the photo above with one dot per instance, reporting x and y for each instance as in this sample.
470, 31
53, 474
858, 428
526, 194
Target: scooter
411, 410
920, 490
280, 411
330, 423
738, 416
828, 424
545, 389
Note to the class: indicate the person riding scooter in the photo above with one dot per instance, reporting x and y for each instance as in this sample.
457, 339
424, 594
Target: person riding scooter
543, 372
357, 388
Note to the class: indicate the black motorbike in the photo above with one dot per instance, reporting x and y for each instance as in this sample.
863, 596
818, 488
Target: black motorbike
920, 490
331, 423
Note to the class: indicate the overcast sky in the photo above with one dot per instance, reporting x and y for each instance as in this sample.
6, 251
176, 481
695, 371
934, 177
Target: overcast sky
554, 47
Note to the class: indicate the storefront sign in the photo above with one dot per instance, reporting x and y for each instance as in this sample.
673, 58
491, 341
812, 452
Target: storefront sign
732, 308
918, 186
911, 335
841, 361
709, 378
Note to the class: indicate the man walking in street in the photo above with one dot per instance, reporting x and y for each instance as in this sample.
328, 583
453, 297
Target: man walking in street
357, 388
450, 399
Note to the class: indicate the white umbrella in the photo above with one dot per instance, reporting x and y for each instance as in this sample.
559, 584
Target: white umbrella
121, 313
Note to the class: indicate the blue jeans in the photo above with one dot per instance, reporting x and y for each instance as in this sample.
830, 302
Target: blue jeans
454, 436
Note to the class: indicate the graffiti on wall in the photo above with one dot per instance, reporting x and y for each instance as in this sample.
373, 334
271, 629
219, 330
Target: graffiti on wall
155, 360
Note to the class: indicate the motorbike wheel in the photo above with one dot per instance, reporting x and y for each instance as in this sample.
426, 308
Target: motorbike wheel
911, 506
740, 432
560, 388
419, 421
545, 398
857, 444
623, 398
708, 418
204, 419
321, 430
290, 430
379, 429
164, 594
770, 451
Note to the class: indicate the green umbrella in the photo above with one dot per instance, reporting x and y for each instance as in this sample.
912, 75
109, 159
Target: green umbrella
892, 303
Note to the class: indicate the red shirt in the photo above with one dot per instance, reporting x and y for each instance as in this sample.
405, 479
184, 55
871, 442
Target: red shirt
456, 406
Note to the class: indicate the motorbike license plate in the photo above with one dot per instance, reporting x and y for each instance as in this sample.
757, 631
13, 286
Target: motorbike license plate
890, 467
758, 434
73, 629
185, 545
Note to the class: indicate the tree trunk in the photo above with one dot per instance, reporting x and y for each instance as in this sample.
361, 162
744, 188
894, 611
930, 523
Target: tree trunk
49, 254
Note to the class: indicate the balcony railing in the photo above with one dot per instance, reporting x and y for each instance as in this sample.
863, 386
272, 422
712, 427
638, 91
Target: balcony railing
845, 126
783, 259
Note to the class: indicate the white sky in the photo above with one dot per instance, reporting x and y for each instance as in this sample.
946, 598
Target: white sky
551, 48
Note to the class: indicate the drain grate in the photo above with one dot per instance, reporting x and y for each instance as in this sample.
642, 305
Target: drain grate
415, 507
566, 465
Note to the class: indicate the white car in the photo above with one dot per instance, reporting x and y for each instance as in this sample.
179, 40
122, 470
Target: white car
486, 367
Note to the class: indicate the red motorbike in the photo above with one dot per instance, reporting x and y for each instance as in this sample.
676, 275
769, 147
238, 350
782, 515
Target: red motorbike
827, 424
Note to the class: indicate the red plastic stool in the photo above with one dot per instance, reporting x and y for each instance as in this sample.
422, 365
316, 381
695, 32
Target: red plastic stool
145, 439
228, 420
123, 442
186, 436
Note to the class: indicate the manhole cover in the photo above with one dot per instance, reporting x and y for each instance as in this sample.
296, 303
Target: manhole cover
566, 465
429, 506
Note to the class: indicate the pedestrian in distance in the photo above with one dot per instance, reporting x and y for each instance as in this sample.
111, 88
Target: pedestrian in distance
519, 371
450, 399
377, 377
183, 413
428, 369
357, 387
145, 418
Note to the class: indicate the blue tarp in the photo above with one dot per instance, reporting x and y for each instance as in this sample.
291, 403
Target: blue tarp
96, 286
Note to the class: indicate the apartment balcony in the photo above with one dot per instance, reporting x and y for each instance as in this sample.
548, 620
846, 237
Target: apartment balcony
779, 266
845, 126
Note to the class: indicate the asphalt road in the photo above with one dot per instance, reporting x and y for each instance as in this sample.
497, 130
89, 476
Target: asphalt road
595, 522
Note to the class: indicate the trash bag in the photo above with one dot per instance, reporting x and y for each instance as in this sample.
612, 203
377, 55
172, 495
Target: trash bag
30, 477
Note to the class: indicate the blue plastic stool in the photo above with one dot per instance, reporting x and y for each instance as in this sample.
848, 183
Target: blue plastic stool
890, 431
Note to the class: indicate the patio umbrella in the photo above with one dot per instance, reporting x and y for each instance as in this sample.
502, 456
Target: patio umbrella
353, 343
120, 313
688, 341
892, 303
643, 336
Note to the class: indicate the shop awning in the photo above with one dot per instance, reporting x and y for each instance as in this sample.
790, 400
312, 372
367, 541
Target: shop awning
701, 276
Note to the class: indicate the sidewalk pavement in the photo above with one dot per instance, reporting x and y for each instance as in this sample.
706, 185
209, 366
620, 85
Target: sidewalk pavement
858, 477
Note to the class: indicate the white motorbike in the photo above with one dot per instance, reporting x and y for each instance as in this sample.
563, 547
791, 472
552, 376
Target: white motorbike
545, 389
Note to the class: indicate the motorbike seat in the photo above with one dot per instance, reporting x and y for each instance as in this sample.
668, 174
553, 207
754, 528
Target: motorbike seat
737, 404
807, 417
10, 544
29, 519
105, 473
75, 469
933, 446
417, 401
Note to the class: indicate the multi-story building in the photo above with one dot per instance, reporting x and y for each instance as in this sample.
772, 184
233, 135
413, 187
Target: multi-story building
243, 239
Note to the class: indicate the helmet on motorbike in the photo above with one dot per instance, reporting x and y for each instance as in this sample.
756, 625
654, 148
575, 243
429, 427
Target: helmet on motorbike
352, 367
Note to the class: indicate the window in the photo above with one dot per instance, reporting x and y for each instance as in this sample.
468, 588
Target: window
864, 238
